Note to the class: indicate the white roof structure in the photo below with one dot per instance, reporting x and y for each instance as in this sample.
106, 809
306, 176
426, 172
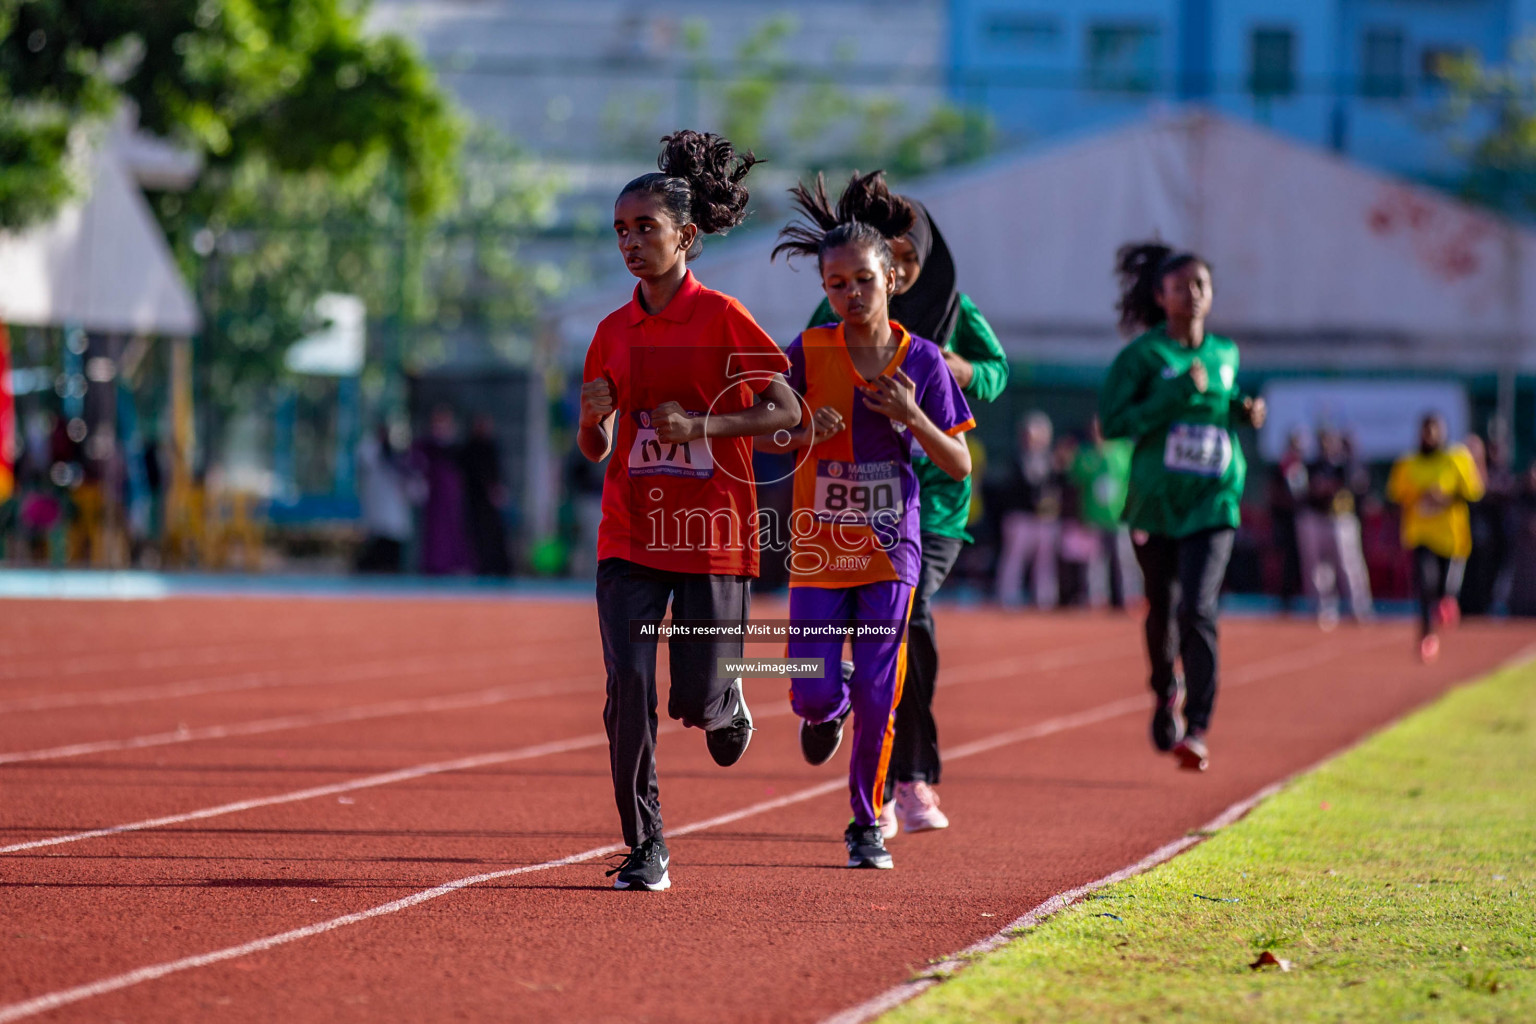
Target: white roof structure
1319, 263
102, 264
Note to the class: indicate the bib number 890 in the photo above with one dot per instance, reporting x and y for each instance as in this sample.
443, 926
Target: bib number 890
860, 497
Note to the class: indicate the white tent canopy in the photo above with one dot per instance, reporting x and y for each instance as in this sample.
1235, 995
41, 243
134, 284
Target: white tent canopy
102, 265
1319, 262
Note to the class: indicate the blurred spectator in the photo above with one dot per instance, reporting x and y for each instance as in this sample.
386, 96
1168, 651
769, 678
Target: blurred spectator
584, 484
1100, 471
1487, 578
1027, 500
1287, 494
1077, 546
485, 499
1522, 546
383, 491
1328, 531
444, 545
1433, 487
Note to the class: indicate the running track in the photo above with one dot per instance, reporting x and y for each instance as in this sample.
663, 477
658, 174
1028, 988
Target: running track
242, 809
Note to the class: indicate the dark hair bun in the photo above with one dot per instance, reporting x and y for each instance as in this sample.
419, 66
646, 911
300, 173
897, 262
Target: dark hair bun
866, 201
1139, 259
869, 199
1141, 267
714, 172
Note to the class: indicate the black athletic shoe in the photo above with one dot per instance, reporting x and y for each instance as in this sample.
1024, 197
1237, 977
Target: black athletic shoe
866, 847
644, 867
820, 740
1191, 753
727, 744
1168, 719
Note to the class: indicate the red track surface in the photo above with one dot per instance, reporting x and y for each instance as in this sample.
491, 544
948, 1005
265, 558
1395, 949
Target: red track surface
124, 712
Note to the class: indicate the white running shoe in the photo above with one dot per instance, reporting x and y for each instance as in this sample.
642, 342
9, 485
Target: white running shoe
918, 806
887, 819
729, 741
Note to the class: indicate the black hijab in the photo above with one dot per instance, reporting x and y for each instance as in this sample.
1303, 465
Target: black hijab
932, 307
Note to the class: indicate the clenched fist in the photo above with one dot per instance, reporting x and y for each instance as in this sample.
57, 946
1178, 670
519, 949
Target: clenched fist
674, 425
597, 400
1199, 375
825, 422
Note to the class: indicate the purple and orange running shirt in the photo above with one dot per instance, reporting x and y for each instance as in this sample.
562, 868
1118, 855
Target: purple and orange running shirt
856, 517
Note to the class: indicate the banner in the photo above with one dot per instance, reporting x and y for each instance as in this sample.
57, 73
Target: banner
1381, 415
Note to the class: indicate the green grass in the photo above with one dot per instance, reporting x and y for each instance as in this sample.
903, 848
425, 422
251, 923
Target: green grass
1399, 879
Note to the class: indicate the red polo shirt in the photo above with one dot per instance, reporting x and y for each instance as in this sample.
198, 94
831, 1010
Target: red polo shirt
693, 507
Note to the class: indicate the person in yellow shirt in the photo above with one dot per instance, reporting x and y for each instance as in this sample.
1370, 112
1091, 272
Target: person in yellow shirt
1433, 487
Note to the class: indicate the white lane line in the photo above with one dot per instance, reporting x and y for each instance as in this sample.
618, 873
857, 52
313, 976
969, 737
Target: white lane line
44, 668
1067, 657
66, 997
300, 675
896, 995
426, 665
359, 713
351, 785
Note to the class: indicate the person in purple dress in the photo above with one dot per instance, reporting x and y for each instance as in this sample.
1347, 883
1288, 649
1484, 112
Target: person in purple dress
444, 540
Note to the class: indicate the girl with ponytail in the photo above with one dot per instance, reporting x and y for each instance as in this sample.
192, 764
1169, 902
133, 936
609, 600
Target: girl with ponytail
1173, 391
677, 383
878, 394
927, 302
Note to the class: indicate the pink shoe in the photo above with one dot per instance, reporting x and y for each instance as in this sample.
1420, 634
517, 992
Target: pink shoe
1429, 648
918, 805
887, 819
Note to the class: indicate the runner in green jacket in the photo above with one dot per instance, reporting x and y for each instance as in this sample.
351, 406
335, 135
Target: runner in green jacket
928, 303
1173, 391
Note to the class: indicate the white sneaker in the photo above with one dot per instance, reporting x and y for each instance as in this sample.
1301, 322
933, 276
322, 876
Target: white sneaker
887, 819
918, 806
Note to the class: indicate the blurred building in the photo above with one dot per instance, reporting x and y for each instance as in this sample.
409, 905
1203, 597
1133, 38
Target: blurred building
585, 82
1325, 270
1357, 76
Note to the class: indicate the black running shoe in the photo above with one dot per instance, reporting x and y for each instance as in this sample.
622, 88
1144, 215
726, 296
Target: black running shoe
1191, 753
866, 847
1168, 718
727, 744
644, 867
820, 740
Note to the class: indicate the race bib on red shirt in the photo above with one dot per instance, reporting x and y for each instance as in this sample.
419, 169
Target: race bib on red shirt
650, 456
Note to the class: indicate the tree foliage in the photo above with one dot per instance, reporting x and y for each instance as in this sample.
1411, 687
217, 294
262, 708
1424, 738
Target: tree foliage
332, 161
265, 243
766, 102
296, 84
1491, 113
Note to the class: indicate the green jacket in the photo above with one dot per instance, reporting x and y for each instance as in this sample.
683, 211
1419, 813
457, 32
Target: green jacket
1187, 469
946, 502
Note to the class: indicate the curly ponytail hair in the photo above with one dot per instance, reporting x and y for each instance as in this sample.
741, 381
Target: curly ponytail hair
868, 213
1141, 267
699, 182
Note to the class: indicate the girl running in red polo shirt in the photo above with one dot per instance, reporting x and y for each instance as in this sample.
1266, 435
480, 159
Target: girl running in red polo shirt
877, 393
677, 382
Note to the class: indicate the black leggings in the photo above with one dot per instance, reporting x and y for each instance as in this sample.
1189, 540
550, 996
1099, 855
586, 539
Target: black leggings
1435, 578
1183, 577
915, 749
629, 594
